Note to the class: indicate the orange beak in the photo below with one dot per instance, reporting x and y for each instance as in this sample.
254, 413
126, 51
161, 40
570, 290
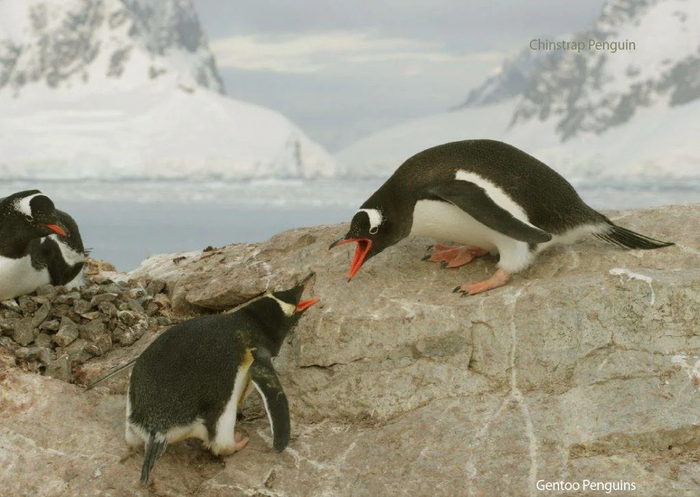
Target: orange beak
56, 229
305, 304
363, 246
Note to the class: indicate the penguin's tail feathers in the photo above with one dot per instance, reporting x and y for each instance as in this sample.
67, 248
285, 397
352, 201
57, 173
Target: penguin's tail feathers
154, 448
627, 239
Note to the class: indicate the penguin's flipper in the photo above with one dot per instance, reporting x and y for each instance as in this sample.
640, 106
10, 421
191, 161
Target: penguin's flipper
268, 385
474, 200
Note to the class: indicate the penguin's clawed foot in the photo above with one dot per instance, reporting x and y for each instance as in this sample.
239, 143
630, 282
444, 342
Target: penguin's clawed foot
500, 278
454, 256
239, 441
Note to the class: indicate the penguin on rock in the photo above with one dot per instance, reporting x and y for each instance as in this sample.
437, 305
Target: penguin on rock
39, 244
488, 195
191, 380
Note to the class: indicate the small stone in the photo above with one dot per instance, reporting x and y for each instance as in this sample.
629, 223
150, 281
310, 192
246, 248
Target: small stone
41, 354
112, 287
155, 287
8, 343
41, 300
88, 293
129, 318
76, 351
162, 300
82, 306
41, 315
127, 336
91, 316
135, 293
7, 325
60, 310
102, 345
27, 305
135, 306
152, 308
11, 304
43, 340
103, 297
46, 290
68, 298
67, 333
164, 321
108, 310
60, 368
93, 330
52, 325
23, 333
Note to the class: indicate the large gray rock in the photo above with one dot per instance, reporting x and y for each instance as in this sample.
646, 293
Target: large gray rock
584, 367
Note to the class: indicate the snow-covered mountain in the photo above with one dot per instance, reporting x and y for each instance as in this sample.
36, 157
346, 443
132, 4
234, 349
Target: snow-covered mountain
130, 89
588, 114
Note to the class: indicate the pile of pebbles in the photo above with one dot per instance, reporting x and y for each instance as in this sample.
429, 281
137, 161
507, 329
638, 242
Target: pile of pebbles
55, 329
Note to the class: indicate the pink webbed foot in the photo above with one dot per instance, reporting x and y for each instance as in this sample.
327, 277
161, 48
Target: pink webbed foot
240, 440
454, 256
500, 278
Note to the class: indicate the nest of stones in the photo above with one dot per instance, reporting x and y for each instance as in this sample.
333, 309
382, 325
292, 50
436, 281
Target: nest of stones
55, 329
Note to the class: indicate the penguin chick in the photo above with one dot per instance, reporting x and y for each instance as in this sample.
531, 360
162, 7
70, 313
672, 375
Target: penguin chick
190, 381
484, 193
25, 219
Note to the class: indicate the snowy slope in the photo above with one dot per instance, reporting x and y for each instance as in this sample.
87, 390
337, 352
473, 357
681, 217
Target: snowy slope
130, 89
589, 115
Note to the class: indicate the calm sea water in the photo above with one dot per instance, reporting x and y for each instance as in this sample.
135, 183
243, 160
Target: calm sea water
125, 222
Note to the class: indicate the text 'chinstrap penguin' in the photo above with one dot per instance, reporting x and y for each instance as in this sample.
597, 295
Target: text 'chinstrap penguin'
39, 245
190, 381
488, 195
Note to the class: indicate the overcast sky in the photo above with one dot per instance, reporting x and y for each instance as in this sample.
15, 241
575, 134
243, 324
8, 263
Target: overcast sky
342, 70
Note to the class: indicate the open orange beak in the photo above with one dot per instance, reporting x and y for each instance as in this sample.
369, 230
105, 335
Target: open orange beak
363, 246
56, 229
305, 304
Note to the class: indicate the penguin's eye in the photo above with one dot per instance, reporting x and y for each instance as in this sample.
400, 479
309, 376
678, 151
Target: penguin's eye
29, 218
373, 230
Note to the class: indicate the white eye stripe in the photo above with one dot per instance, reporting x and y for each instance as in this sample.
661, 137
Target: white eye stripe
375, 219
22, 204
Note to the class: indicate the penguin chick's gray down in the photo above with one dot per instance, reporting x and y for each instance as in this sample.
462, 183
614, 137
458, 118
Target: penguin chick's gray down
190, 381
484, 193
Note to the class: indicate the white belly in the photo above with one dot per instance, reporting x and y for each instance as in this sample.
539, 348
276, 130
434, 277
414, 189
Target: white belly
18, 277
444, 221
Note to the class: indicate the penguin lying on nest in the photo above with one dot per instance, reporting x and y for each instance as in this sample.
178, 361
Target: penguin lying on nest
484, 193
190, 381
39, 244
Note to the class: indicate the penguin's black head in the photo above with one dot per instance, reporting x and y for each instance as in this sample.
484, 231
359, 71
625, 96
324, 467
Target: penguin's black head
372, 232
292, 298
33, 212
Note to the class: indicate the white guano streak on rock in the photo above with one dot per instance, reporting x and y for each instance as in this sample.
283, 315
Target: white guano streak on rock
334, 466
619, 271
574, 258
692, 372
517, 395
265, 266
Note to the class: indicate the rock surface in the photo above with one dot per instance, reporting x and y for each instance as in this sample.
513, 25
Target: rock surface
584, 367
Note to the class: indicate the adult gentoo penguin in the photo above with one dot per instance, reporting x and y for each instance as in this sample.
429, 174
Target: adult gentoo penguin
486, 194
190, 381
39, 244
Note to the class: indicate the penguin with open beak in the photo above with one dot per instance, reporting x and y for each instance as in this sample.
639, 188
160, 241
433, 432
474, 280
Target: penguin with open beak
191, 380
488, 195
